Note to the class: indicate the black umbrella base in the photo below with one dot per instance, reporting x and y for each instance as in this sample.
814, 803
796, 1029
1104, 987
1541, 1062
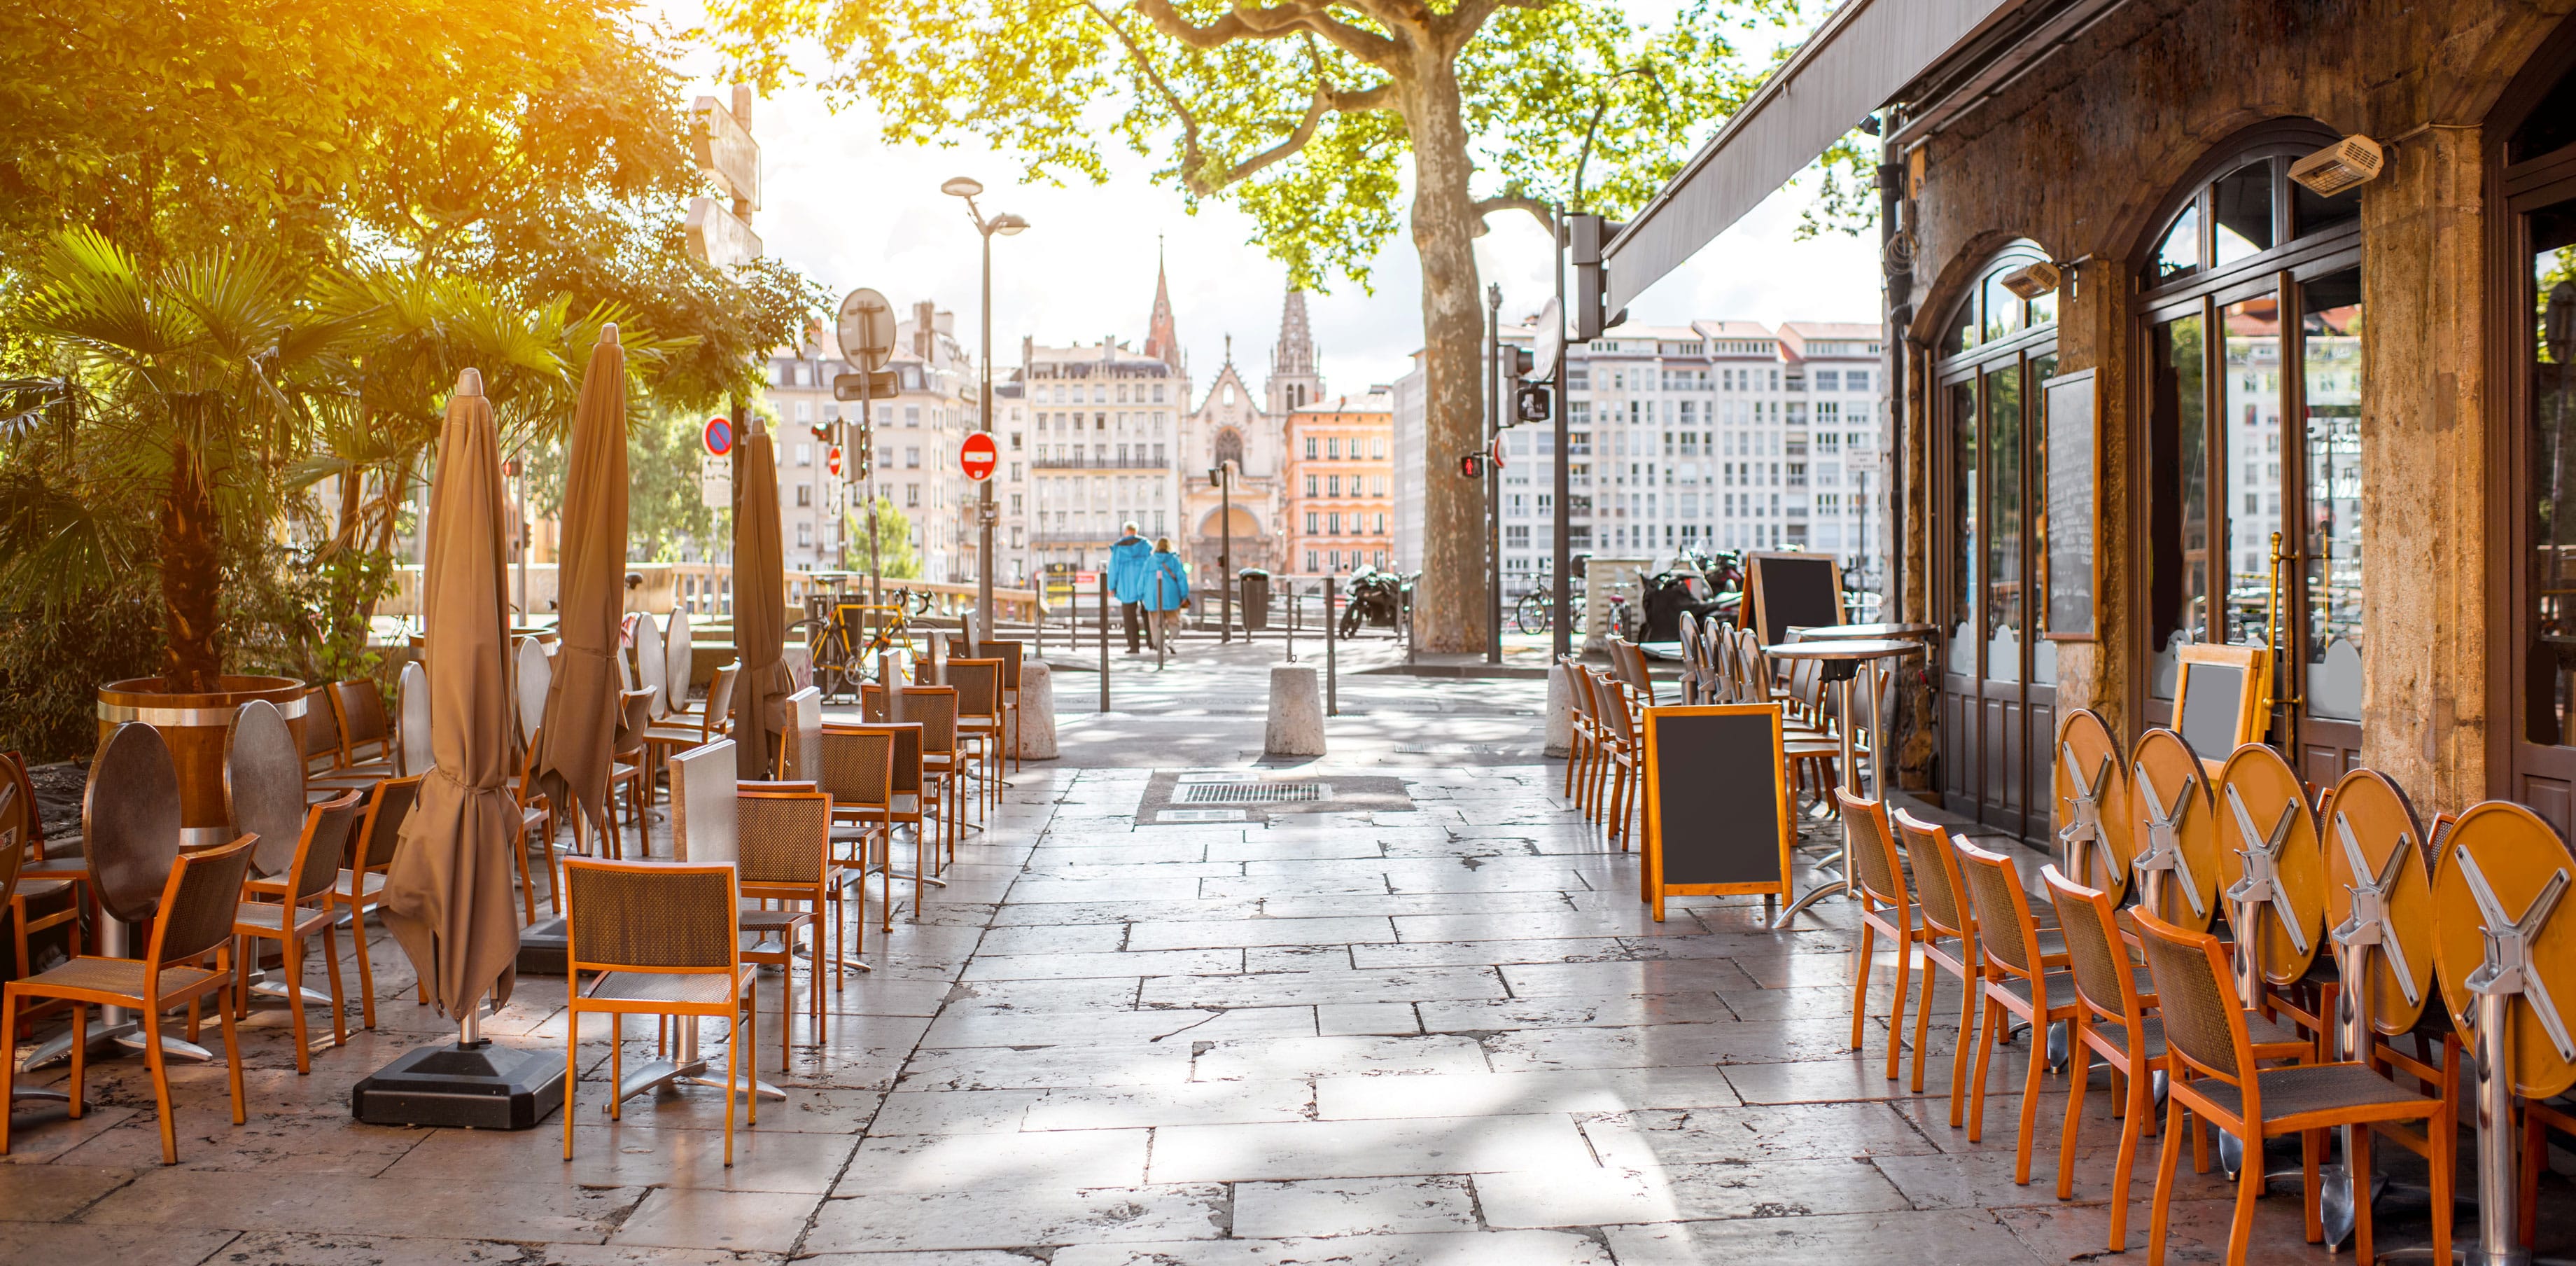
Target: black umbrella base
544, 948
481, 1088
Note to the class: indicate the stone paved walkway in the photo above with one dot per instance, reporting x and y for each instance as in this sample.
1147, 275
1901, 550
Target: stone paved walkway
1443, 1034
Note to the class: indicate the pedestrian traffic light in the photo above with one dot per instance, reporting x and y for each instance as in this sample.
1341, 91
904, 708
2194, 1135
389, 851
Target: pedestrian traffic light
1531, 403
1471, 465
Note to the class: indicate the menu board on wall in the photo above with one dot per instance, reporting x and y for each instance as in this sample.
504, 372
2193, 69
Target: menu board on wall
2074, 505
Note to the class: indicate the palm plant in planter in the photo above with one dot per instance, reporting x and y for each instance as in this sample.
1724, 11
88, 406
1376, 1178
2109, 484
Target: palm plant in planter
193, 382
186, 388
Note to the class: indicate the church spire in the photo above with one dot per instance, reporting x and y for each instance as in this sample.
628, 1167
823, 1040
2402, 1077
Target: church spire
1162, 336
1293, 380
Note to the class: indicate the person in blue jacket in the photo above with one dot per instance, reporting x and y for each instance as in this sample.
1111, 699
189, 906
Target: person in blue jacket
1130, 560
1167, 590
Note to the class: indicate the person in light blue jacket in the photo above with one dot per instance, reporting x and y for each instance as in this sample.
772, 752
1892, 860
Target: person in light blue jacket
1130, 562
1167, 590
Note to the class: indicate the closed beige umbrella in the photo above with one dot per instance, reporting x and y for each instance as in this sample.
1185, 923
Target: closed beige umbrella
447, 896
759, 608
582, 712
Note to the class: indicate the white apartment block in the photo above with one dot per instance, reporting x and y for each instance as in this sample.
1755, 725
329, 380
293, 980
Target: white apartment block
1719, 435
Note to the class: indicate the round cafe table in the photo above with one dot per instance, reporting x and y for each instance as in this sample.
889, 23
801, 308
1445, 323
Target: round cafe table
1862, 632
1842, 660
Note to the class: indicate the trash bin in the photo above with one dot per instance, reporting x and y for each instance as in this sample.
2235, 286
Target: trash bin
1252, 589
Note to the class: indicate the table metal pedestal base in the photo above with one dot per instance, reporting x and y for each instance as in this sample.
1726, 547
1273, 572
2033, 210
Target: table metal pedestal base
128, 1034
685, 1067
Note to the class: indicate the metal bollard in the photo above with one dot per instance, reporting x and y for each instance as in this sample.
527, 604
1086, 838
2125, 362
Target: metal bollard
1332, 694
1154, 624
1289, 587
1104, 641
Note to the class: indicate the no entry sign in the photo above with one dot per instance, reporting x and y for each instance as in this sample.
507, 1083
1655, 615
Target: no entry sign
832, 461
977, 456
719, 436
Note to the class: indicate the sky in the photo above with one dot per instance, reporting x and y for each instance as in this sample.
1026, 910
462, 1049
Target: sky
850, 210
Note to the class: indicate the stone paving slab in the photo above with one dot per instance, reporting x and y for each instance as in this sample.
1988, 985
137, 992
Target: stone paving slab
1446, 1034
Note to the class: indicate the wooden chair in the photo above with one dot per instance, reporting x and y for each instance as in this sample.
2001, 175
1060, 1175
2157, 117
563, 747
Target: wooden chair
978, 683
857, 770
326, 771
2117, 1020
934, 709
712, 722
1623, 756
360, 886
21, 843
302, 906
1584, 733
1887, 908
1014, 657
1629, 661
2020, 981
661, 938
784, 840
366, 737
1949, 941
2220, 1081
195, 921
536, 811
626, 770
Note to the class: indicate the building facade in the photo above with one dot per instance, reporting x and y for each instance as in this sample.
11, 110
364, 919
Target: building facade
2093, 470
1104, 445
1340, 470
1717, 435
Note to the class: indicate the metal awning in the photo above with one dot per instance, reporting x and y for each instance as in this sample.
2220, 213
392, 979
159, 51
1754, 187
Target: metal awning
1864, 55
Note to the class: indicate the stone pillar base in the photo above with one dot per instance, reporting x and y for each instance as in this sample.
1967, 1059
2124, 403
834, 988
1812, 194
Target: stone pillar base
1296, 712
1037, 711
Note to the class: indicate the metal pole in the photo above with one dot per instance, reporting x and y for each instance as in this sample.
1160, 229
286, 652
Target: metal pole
1289, 587
1561, 634
1493, 478
984, 511
1104, 641
1332, 696
2499, 1232
1225, 552
1154, 622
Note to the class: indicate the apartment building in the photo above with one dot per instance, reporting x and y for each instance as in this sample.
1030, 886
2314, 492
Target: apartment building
1341, 470
1719, 434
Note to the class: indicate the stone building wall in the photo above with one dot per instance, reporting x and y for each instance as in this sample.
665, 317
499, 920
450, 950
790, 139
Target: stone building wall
2086, 156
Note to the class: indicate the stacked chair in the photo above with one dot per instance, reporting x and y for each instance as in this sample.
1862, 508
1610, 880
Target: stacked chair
2223, 916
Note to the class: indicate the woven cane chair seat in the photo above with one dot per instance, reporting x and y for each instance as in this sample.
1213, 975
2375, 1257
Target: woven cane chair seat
704, 989
270, 916
2263, 1032
355, 884
2303, 1088
113, 975
774, 920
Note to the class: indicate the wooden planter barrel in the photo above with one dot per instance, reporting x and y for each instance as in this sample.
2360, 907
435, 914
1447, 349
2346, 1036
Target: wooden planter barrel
195, 726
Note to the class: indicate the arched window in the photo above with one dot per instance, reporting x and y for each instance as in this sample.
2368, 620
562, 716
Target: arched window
1998, 697
2250, 312
2537, 118
1229, 447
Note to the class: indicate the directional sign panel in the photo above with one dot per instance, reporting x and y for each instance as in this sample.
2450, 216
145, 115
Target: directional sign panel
724, 149
977, 456
718, 237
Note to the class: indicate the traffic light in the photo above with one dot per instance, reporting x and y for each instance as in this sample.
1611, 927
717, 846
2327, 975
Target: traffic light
1522, 362
863, 451
1471, 465
1585, 235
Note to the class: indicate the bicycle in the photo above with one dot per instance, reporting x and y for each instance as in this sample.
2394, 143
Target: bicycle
836, 633
1536, 611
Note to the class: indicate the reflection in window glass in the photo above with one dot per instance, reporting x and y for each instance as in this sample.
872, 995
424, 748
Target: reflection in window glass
2043, 310
2550, 668
2179, 253
2178, 512
2002, 310
1963, 512
2003, 524
2241, 211
2252, 450
2317, 214
2043, 653
2330, 373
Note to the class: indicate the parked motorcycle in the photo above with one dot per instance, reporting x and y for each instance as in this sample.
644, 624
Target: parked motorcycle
1707, 586
1374, 598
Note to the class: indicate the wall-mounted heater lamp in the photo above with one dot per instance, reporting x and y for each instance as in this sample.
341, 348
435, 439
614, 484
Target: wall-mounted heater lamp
2036, 280
2341, 167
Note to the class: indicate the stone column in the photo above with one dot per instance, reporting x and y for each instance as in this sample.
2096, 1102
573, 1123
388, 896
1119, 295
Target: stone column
1037, 711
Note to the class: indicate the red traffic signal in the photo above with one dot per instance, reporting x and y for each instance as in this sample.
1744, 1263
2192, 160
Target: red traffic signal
1471, 465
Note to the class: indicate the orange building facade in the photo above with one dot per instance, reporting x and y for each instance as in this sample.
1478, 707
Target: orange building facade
1341, 505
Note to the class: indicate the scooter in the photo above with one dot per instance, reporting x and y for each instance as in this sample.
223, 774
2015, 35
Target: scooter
1374, 598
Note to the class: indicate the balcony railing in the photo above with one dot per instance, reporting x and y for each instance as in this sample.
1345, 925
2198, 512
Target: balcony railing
1133, 462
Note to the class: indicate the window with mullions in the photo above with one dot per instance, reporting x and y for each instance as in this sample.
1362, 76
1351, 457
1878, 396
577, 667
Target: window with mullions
1998, 350
2252, 310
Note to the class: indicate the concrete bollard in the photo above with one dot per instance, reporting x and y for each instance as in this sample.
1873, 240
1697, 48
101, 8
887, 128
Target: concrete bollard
1296, 712
1037, 711
1560, 710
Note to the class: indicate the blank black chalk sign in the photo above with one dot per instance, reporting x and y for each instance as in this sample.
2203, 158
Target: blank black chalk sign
1717, 803
1792, 591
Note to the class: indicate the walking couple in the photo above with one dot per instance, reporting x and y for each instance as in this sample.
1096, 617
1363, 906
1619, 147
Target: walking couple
1150, 582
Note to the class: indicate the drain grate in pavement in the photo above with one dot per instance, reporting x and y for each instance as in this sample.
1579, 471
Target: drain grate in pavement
1252, 792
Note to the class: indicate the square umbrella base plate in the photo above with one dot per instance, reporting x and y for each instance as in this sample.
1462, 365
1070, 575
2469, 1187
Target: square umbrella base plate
481, 1088
544, 949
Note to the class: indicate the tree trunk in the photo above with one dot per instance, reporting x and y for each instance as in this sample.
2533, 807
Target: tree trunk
191, 579
1448, 601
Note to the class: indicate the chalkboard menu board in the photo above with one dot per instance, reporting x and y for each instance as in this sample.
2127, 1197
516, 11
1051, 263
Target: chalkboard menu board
1793, 591
2074, 505
1717, 803
2220, 700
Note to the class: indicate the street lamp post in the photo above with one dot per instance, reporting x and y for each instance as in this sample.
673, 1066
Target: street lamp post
1006, 224
1223, 478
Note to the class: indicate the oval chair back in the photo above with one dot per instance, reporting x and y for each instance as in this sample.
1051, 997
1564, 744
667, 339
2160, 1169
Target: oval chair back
679, 658
652, 664
412, 752
130, 822
536, 676
264, 784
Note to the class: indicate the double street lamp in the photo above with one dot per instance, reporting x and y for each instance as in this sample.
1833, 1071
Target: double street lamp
1007, 223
